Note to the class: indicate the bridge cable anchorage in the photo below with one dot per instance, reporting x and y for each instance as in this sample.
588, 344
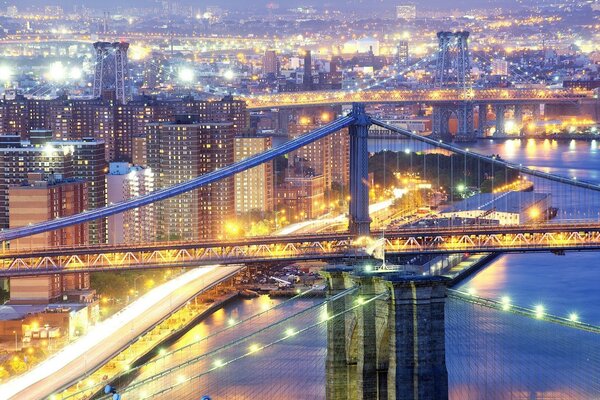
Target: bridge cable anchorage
305, 317
180, 188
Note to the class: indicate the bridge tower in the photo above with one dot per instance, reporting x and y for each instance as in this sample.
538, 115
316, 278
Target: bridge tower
111, 71
390, 348
360, 222
453, 68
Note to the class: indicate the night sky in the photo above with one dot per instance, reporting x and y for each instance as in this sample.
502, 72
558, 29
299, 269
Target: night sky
284, 4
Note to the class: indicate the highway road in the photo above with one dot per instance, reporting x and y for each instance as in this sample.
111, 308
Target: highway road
112, 335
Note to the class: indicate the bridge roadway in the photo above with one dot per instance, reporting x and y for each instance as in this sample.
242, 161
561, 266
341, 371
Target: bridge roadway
428, 96
111, 336
329, 246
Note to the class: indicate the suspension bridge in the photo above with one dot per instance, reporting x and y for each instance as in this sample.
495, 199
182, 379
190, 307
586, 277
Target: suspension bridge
489, 205
308, 347
389, 333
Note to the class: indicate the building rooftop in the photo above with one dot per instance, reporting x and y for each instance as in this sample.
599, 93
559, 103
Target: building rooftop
19, 311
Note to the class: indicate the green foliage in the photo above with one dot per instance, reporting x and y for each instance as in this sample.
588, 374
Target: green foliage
437, 168
118, 284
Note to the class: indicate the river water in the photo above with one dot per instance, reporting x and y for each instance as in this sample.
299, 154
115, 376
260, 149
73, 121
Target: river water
491, 360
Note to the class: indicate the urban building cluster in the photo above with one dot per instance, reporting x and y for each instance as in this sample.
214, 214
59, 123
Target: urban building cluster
64, 155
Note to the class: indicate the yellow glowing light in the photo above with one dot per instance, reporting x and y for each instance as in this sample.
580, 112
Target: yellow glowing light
534, 213
138, 52
254, 348
505, 303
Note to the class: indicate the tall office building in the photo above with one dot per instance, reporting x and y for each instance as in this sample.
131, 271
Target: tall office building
254, 187
307, 76
406, 12
270, 63
181, 151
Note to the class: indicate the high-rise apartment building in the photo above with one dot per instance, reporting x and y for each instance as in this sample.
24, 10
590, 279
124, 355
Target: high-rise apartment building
45, 197
40, 198
124, 182
183, 150
307, 79
89, 164
301, 196
108, 120
499, 67
254, 187
329, 156
82, 159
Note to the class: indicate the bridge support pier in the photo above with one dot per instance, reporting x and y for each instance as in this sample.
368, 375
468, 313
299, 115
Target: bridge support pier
536, 112
499, 110
466, 132
339, 367
360, 222
389, 348
440, 123
417, 368
481, 119
519, 115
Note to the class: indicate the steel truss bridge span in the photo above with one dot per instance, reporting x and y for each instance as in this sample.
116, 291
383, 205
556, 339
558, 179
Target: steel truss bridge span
408, 96
470, 239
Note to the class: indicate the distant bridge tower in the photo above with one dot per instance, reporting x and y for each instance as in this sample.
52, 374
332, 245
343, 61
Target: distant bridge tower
453, 70
112, 71
453, 66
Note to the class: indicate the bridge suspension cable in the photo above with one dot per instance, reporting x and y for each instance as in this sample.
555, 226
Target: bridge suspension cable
180, 188
218, 350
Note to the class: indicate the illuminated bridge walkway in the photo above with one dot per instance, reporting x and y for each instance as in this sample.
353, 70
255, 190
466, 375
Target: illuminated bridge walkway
406, 96
479, 203
287, 351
